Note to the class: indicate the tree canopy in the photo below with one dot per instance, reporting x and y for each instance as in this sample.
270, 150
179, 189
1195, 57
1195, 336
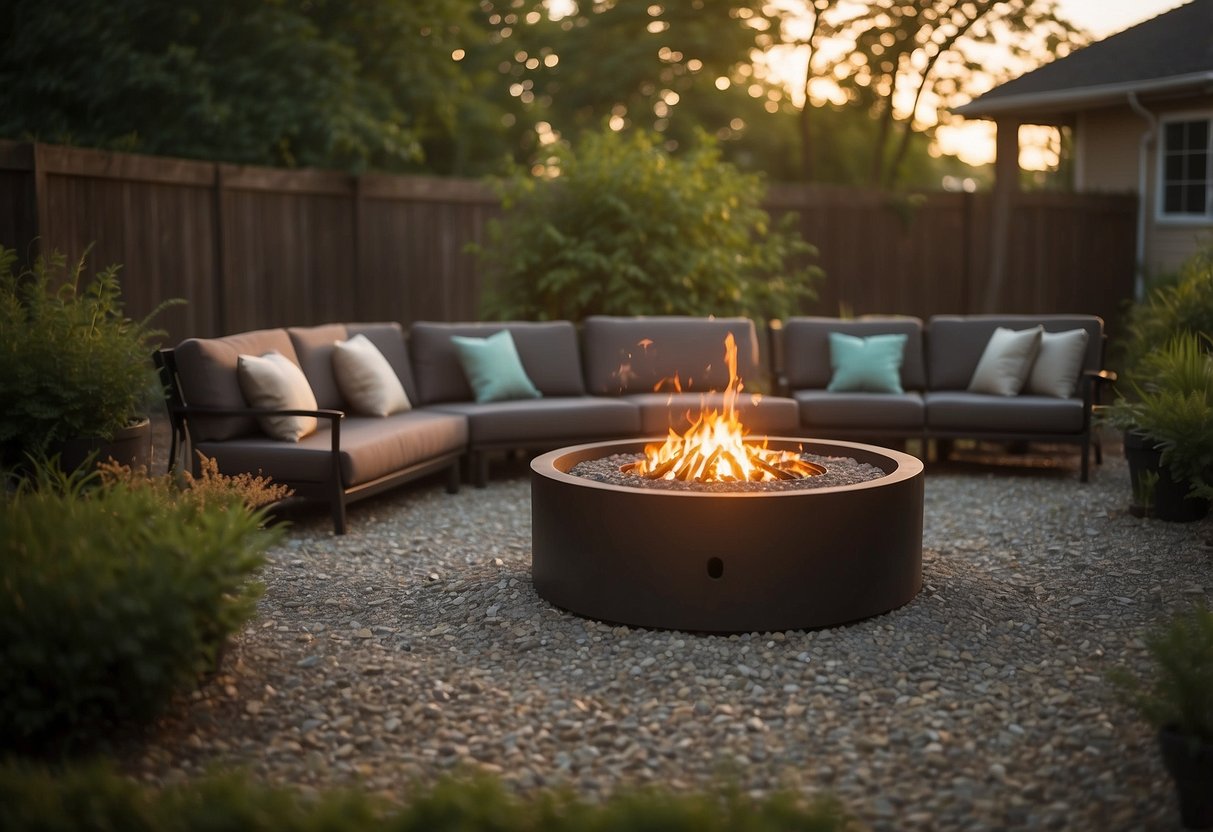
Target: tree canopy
465, 86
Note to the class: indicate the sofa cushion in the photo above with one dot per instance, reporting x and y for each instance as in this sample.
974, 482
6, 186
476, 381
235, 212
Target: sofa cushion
821, 410
388, 337
533, 422
273, 382
1005, 361
955, 342
207, 370
370, 448
314, 351
1023, 414
493, 369
642, 354
1058, 364
806, 348
549, 353
866, 365
366, 380
661, 412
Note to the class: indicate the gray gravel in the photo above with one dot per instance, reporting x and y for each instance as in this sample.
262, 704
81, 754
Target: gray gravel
416, 645
838, 471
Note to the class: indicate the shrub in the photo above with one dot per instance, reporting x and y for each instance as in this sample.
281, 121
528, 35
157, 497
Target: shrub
71, 364
115, 591
83, 800
627, 229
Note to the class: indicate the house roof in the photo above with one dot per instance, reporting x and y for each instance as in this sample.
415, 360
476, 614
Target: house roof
1171, 53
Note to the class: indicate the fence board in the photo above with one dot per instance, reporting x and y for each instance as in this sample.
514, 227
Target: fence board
256, 247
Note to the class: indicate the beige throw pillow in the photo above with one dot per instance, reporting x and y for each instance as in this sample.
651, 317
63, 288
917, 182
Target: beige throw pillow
1058, 363
272, 381
366, 379
1004, 365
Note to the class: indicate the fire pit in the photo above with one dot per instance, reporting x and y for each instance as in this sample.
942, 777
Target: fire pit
727, 561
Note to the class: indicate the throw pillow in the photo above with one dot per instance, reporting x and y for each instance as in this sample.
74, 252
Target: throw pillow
366, 379
1004, 364
274, 382
493, 368
1055, 371
869, 365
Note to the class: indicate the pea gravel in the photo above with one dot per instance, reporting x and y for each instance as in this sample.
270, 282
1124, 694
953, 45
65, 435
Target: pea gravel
415, 645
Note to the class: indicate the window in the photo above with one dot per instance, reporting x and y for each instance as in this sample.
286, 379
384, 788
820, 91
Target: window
1187, 187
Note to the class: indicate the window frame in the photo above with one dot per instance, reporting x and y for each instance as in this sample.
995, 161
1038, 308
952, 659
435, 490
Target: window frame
1161, 215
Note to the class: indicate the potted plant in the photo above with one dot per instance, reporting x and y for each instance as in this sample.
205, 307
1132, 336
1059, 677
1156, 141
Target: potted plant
1178, 702
1168, 425
76, 377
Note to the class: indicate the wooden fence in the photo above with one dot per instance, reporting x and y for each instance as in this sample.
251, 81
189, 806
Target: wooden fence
252, 247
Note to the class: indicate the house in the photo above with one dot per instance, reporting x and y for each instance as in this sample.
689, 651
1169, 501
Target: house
1139, 105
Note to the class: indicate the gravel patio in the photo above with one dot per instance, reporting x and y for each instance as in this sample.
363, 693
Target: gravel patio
415, 646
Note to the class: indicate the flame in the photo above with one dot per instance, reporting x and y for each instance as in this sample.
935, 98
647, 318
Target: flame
715, 448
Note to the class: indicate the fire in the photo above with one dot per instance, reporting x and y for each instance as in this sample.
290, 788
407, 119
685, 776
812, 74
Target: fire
715, 448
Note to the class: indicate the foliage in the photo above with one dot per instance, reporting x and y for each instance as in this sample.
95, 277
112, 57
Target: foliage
1184, 306
256, 81
115, 591
1180, 693
71, 364
931, 53
95, 799
628, 229
1175, 409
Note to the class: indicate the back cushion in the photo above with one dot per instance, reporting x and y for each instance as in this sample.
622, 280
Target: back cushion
806, 348
548, 350
207, 369
389, 338
314, 348
955, 342
637, 354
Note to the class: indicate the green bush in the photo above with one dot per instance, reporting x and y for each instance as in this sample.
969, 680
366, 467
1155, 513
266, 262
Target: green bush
628, 229
96, 800
1179, 694
71, 364
1184, 307
115, 591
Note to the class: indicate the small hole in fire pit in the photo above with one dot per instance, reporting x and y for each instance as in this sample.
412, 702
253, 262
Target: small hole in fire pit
715, 568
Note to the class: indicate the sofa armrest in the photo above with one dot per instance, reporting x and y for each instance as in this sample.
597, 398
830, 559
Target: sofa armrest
334, 417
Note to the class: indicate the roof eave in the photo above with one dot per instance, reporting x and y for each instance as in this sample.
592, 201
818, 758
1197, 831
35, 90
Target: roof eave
1068, 100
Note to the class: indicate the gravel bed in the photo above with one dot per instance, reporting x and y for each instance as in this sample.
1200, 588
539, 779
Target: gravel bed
839, 470
416, 645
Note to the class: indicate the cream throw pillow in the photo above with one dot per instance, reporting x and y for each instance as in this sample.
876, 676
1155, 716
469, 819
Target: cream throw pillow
1055, 372
1004, 365
366, 379
274, 382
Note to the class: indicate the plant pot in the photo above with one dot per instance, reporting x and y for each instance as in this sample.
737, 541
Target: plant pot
1166, 499
1190, 765
131, 446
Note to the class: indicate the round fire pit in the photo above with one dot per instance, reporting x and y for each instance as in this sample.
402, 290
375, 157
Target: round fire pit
727, 561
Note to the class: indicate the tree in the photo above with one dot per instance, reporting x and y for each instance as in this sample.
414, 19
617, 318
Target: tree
628, 229
910, 60
257, 81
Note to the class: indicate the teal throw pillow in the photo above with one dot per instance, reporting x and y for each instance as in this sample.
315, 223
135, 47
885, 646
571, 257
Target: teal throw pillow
493, 368
866, 365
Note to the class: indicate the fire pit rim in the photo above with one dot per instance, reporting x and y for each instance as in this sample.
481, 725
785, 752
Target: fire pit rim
907, 467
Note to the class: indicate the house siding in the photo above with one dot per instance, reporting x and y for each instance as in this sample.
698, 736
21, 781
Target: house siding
1107, 144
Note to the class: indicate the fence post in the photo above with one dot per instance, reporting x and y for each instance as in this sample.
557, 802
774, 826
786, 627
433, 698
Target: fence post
220, 287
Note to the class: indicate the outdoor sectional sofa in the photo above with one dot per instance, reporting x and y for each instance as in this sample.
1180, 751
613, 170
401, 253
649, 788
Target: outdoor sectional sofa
939, 362
614, 377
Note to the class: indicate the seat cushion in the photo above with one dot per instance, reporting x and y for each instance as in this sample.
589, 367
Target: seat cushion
822, 410
660, 412
1023, 414
563, 418
371, 447
549, 352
